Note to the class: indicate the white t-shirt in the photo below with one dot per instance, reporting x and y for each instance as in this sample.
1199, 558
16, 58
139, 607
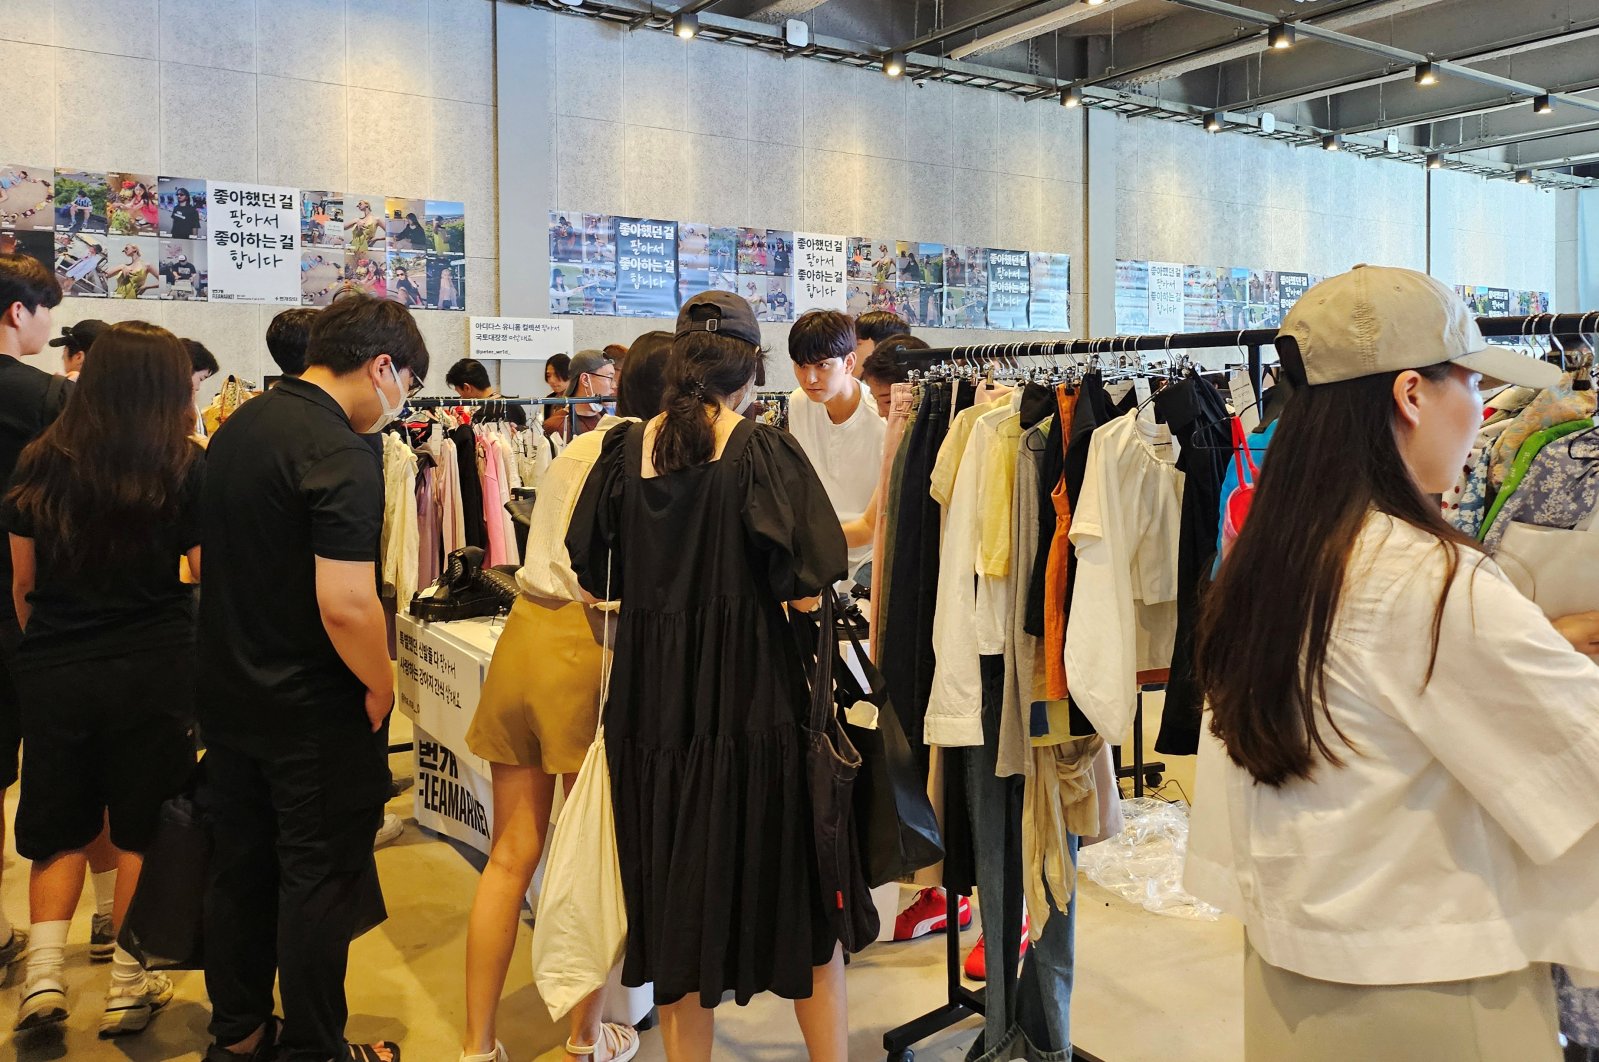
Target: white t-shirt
1458, 840
848, 457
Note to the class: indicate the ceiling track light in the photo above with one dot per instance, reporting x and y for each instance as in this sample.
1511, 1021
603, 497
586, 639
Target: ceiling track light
1093, 3
1426, 74
1280, 36
1071, 96
894, 64
1213, 122
1544, 104
1523, 176
686, 25
1435, 161
1332, 142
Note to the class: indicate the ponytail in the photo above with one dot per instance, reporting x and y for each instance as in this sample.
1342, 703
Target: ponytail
703, 369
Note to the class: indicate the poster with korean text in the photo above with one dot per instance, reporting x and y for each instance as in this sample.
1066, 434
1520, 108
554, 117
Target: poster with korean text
254, 254
646, 267
820, 272
1290, 286
1050, 309
1165, 297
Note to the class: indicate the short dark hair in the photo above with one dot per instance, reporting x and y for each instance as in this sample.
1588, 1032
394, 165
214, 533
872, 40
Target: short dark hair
878, 325
641, 380
25, 279
357, 328
201, 359
561, 364
468, 371
884, 364
287, 337
819, 335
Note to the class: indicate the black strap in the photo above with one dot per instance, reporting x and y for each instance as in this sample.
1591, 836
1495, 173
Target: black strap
55, 399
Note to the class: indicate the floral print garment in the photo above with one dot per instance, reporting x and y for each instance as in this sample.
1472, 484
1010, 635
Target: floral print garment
1560, 488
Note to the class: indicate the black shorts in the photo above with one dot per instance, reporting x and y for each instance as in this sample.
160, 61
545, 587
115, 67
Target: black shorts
110, 735
10, 711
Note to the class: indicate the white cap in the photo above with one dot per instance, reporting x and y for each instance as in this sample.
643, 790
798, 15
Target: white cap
1376, 319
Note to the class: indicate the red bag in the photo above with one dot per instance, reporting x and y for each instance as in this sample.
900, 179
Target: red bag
1236, 507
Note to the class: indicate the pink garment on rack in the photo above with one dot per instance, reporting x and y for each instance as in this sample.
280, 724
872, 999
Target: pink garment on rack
430, 531
451, 517
502, 450
489, 467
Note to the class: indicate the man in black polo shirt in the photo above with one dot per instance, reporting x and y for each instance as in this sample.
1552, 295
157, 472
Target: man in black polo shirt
297, 684
29, 400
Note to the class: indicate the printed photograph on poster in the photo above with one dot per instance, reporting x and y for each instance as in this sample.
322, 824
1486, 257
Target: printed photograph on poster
820, 272
965, 308
446, 282
183, 270
646, 267
445, 221
27, 198
1132, 297
37, 245
1008, 291
366, 272
403, 218
1232, 285
1531, 302
566, 237
80, 264
364, 227
597, 246
1051, 307
1165, 297
321, 219
706, 259
1232, 315
321, 275
182, 208
254, 244
919, 263
772, 297
566, 288
765, 252
864, 296
408, 277
134, 269
80, 201
922, 305
1201, 285
132, 206
966, 267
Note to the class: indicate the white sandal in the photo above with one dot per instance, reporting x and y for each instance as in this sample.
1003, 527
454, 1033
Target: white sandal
622, 1040
496, 1055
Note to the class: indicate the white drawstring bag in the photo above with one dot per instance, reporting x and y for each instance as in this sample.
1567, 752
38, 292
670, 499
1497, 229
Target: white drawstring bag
580, 928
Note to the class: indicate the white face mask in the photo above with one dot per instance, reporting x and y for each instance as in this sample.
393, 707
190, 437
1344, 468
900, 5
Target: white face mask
386, 417
747, 401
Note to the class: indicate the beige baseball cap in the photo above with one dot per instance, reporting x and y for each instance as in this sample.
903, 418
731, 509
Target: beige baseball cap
1376, 319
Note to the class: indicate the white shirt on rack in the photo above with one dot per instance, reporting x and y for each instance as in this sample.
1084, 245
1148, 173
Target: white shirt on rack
848, 457
1458, 839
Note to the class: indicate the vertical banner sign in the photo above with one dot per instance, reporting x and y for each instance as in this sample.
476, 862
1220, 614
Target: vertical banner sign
819, 272
255, 244
1132, 297
1008, 289
646, 268
1290, 286
1165, 297
1051, 282
1499, 302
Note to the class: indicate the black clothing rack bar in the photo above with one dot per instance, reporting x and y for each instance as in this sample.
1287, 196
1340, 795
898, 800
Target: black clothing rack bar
468, 403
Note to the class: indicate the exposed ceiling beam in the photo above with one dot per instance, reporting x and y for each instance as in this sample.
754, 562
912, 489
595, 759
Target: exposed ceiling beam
1023, 31
783, 10
939, 36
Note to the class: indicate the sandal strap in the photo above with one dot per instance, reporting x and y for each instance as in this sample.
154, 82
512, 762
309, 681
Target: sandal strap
369, 1052
581, 1052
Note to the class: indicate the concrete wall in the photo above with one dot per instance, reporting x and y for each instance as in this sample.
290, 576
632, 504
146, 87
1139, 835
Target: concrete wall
394, 97
1494, 233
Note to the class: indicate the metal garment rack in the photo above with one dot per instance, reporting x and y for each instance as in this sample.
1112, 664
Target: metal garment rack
962, 1002
470, 403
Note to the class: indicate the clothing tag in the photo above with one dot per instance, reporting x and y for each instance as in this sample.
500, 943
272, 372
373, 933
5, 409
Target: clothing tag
1243, 395
862, 714
1118, 390
1141, 386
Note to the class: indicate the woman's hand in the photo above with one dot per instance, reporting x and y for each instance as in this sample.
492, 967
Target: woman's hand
1581, 630
811, 604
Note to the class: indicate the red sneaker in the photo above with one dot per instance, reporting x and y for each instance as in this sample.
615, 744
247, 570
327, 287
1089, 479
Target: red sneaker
929, 913
977, 958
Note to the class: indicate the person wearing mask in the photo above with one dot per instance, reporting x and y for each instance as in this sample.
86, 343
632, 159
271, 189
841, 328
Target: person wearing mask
293, 629
287, 337
557, 372
469, 378
883, 369
872, 328
593, 375
76, 340
535, 720
30, 400
718, 858
832, 416
118, 469
1390, 718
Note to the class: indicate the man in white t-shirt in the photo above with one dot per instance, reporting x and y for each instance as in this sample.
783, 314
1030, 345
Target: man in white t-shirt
833, 416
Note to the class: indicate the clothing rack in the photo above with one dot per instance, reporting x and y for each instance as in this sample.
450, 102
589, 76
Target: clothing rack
470, 403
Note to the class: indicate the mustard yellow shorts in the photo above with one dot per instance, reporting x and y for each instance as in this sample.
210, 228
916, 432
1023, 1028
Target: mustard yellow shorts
541, 699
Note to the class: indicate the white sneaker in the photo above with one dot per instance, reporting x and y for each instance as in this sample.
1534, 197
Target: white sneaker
44, 1002
389, 832
129, 1008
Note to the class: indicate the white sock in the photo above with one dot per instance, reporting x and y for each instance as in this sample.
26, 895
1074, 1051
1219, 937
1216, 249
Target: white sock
125, 969
105, 892
47, 948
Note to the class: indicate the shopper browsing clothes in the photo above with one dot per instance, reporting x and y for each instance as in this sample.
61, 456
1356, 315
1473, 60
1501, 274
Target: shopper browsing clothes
294, 633
116, 469
75, 341
1401, 787
593, 375
535, 719
872, 328
703, 524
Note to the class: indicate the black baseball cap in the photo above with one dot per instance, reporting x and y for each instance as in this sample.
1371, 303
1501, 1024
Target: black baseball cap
80, 335
724, 312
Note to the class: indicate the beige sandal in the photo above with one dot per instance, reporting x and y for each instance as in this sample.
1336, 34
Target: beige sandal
621, 1040
496, 1055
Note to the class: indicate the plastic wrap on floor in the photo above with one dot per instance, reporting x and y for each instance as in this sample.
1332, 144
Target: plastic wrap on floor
1144, 863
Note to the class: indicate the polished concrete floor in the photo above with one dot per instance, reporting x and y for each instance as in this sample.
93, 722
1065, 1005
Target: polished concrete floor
1148, 988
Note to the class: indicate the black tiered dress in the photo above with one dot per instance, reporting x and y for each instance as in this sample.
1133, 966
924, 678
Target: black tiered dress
704, 724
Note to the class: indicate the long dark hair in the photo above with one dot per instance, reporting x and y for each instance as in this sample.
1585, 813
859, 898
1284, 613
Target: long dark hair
108, 474
1266, 622
703, 369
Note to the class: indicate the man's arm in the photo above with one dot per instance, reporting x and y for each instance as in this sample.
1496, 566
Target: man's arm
347, 597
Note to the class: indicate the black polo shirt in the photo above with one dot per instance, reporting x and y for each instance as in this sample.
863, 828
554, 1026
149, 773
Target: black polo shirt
287, 481
30, 399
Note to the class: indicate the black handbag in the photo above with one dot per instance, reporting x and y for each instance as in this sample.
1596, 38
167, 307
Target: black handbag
899, 830
163, 928
832, 764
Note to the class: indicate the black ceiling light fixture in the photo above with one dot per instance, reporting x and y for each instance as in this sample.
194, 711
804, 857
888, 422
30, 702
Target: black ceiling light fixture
1435, 161
1280, 36
686, 25
1544, 104
1426, 74
1213, 122
1332, 142
1523, 176
894, 64
1071, 96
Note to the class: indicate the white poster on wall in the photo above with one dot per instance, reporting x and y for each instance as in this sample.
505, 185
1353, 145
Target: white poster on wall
1165, 297
520, 338
255, 244
819, 273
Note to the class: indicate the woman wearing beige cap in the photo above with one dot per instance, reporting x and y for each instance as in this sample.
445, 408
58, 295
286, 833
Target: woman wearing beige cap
1397, 796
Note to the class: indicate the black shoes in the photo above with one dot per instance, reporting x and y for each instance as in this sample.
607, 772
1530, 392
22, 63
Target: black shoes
467, 589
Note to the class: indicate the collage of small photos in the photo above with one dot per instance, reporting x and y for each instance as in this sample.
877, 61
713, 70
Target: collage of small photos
412, 251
